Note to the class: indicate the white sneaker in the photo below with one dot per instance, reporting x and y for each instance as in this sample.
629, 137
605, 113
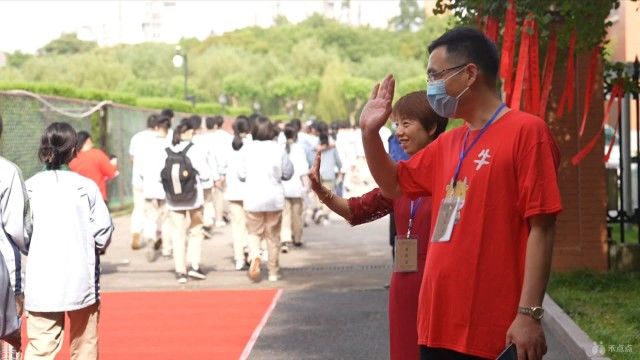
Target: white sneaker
220, 224
239, 265
273, 277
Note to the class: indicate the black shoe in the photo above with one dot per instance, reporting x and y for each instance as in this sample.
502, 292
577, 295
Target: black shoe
285, 248
196, 274
297, 244
182, 278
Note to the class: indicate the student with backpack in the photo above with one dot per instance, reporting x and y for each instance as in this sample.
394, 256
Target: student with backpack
185, 171
71, 225
264, 166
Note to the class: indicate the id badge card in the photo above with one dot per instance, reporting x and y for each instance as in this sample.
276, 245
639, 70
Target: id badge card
406, 259
446, 219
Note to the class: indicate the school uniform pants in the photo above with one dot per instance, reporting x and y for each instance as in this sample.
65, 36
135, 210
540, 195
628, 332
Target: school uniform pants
238, 229
156, 218
45, 331
209, 207
218, 198
137, 214
265, 225
187, 236
292, 221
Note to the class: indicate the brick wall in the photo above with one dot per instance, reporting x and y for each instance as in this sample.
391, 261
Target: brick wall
581, 228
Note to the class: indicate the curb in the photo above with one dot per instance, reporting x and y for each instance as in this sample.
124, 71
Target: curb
579, 344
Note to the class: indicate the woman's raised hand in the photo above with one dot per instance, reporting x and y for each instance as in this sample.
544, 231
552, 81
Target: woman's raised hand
377, 110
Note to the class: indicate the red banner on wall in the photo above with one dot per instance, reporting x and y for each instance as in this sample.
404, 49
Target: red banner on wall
588, 92
491, 28
616, 92
523, 59
547, 73
569, 86
508, 46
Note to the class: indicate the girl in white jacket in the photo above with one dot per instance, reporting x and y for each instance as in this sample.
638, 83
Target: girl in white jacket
186, 218
71, 225
265, 164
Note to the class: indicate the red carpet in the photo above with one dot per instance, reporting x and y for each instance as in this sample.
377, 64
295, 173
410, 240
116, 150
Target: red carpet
178, 325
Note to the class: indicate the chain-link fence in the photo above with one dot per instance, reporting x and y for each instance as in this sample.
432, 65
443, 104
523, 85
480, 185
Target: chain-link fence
25, 118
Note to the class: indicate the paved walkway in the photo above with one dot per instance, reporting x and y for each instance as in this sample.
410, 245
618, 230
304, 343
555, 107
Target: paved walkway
333, 304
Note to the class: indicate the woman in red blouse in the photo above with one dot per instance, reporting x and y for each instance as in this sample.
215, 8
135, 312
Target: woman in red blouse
417, 126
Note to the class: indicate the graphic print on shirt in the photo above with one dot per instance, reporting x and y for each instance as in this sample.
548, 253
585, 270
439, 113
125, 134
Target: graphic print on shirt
482, 160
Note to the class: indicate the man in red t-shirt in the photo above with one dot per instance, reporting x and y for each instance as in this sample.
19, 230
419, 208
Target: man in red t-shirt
93, 163
495, 197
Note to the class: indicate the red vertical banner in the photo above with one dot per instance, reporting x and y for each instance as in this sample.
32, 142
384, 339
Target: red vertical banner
491, 28
508, 46
534, 69
569, 86
588, 92
616, 92
547, 73
523, 59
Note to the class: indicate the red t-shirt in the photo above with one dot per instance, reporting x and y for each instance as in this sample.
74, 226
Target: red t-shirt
472, 283
404, 287
95, 165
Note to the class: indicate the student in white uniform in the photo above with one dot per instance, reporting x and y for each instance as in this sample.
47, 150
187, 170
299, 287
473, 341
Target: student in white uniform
235, 191
15, 232
186, 217
71, 226
221, 142
205, 141
265, 164
136, 148
155, 209
294, 188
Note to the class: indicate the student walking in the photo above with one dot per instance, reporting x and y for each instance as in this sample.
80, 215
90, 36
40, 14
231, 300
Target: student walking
265, 164
185, 171
235, 191
294, 188
72, 225
93, 163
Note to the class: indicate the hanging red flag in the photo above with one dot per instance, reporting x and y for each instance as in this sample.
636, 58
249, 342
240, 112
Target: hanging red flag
615, 128
491, 28
569, 85
616, 92
534, 69
547, 77
588, 92
508, 45
523, 59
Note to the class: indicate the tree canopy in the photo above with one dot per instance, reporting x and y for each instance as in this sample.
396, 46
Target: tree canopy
328, 65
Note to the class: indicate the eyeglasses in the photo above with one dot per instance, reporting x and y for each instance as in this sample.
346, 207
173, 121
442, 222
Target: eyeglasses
437, 75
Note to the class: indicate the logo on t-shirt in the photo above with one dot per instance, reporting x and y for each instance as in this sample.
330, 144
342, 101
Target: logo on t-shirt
482, 161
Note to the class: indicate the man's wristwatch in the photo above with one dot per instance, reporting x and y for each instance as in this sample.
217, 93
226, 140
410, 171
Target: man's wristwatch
536, 312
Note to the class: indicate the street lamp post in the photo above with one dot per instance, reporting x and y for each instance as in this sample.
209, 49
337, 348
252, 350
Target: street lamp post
222, 99
180, 60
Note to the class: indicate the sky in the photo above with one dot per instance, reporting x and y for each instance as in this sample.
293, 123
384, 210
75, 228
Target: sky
28, 25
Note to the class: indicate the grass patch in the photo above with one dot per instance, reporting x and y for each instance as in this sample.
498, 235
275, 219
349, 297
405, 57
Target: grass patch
630, 233
605, 306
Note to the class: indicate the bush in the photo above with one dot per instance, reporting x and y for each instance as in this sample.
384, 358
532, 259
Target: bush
237, 110
70, 92
163, 103
208, 108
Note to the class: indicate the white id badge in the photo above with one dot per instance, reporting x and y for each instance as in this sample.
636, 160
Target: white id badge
406, 259
446, 219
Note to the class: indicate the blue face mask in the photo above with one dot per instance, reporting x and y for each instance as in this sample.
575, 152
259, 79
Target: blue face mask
441, 102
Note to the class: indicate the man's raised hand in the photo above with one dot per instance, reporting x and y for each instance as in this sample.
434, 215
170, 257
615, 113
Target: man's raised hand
377, 110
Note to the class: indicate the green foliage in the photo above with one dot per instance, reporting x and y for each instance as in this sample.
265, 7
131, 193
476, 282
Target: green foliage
163, 103
208, 108
277, 67
587, 17
67, 44
70, 92
606, 306
417, 83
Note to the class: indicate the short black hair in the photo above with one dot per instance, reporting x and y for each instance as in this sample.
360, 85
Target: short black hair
195, 122
470, 45
263, 129
57, 145
324, 139
151, 121
210, 122
167, 112
83, 136
163, 122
